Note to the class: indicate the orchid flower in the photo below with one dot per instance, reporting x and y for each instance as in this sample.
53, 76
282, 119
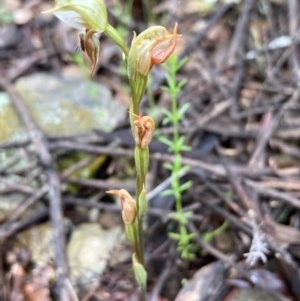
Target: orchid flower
151, 47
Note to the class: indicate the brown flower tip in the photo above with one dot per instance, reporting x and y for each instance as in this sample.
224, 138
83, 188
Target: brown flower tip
128, 205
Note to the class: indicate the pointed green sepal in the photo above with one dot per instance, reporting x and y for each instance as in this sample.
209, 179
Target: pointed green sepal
139, 272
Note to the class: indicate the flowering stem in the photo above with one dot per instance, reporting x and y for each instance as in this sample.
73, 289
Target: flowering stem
141, 164
151, 47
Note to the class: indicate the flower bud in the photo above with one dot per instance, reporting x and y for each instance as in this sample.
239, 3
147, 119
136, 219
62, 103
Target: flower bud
144, 128
139, 272
153, 46
128, 205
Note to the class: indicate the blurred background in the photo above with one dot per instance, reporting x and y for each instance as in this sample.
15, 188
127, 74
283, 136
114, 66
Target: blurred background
222, 227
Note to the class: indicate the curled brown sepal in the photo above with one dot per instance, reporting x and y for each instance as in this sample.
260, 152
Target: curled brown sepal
90, 44
144, 128
128, 204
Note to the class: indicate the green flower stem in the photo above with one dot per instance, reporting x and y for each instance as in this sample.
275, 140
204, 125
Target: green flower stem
141, 157
141, 240
133, 112
141, 163
152, 47
138, 84
137, 246
112, 33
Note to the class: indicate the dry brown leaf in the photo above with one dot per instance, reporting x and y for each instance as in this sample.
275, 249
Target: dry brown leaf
280, 233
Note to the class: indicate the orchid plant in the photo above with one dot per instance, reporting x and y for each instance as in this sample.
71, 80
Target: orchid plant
151, 47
